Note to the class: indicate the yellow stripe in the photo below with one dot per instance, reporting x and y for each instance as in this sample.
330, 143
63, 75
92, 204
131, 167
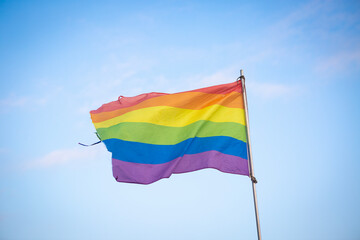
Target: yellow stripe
177, 117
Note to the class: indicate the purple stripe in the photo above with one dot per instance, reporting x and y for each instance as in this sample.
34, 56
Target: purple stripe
149, 173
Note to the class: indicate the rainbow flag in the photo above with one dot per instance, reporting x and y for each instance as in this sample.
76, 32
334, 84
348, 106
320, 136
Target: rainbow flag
154, 135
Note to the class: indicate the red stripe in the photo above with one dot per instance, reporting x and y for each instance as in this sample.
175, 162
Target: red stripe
131, 101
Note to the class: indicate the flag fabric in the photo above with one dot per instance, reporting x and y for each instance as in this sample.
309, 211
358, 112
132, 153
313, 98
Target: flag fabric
154, 135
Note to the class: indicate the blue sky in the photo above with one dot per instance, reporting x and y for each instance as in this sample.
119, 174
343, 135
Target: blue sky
61, 59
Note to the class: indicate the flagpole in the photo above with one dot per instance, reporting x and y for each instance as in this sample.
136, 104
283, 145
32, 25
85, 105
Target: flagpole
251, 169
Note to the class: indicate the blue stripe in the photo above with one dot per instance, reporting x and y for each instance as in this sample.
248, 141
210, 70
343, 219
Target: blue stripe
156, 154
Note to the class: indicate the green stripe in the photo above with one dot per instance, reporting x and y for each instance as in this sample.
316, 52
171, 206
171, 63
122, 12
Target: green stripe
165, 135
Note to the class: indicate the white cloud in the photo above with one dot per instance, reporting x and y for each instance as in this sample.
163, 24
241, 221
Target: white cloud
3, 150
339, 62
21, 101
271, 90
14, 100
264, 90
65, 156
220, 77
329, 29
290, 24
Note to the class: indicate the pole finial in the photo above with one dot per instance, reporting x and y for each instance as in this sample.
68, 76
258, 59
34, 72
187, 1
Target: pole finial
242, 77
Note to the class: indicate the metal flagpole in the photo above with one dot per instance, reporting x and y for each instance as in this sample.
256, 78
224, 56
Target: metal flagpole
251, 169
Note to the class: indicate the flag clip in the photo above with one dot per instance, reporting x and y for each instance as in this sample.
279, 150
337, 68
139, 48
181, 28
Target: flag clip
239, 79
253, 179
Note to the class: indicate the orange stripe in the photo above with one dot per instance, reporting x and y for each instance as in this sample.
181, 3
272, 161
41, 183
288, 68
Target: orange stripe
185, 100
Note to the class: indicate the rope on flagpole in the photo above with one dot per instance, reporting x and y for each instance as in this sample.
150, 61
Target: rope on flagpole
89, 145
